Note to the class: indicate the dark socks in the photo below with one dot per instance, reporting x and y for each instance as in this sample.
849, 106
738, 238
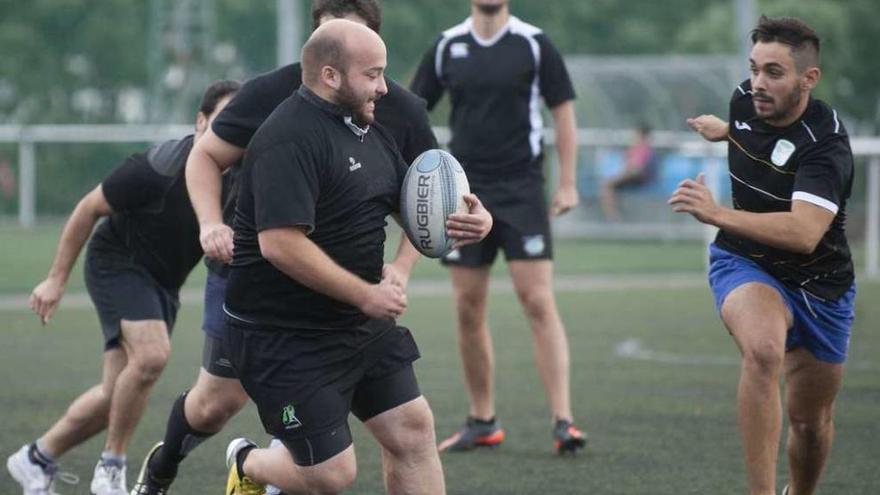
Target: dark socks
240, 457
180, 440
39, 457
484, 422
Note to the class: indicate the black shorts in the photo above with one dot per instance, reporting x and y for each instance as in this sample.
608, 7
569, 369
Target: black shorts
521, 224
304, 400
123, 290
214, 358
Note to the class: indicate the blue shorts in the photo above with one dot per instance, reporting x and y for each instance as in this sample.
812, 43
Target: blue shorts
213, 319
823, 327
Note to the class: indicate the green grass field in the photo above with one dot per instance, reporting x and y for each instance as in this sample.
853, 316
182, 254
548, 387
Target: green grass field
661, 420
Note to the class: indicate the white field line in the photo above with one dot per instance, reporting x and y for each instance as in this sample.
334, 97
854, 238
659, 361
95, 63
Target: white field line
442, 287
636, 350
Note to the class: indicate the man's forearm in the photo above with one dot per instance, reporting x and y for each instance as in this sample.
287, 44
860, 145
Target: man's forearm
302, 260
407, 254
73, 237
204, 182
782, 230
566, 142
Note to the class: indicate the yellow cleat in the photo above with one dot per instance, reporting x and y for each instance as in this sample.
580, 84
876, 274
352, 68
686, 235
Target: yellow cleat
236, 483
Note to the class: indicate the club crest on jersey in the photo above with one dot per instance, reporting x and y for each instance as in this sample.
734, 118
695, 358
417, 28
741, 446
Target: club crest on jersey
458, 50
782, 152
354, 164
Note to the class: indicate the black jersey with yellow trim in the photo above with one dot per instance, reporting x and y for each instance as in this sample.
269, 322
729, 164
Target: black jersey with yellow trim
770, 167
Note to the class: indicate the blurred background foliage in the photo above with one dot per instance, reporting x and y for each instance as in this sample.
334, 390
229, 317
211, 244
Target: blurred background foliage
75, 61
148, 61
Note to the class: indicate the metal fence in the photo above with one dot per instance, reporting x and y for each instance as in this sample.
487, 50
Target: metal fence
646, 215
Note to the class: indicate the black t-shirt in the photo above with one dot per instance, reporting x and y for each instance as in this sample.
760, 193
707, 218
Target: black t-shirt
770, 167
153, 222
306, 166
401, 112
495, 88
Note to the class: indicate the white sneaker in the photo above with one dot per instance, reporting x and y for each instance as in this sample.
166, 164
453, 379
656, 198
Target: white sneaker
108, 480
31, 476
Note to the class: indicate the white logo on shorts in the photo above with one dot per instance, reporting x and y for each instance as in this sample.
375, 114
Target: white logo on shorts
534, 245
453, 255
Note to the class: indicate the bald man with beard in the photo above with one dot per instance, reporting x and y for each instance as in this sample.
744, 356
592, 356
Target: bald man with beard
311, 326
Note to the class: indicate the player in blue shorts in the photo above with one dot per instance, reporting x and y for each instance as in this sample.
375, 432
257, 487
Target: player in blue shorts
781, 269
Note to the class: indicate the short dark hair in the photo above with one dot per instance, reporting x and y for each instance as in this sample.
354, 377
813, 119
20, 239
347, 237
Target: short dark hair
368, 10
791, 31
216, 92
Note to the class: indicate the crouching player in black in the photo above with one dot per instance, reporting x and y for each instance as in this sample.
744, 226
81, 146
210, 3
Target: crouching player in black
136, 262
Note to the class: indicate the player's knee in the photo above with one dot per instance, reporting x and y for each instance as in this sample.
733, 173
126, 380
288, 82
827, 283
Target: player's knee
215, 412
536, 302
149, 363
413, 437
765, 359
470, 312
810, 428
335, 480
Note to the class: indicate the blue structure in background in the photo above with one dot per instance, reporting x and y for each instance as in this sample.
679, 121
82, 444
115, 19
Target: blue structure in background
671, 168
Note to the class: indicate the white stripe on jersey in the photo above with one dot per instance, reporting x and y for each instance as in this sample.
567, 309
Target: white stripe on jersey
813, 136
447, 35
529, 32
836, 122
758, 189
816, 200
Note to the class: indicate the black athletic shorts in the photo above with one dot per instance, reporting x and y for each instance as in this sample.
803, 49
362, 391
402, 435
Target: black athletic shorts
123, 290
521, 223
214, 358
304, 400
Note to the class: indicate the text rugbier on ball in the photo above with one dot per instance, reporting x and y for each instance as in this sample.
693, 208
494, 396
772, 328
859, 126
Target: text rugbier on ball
433, 189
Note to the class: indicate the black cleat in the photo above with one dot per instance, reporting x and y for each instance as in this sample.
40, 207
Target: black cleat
147, 483
567, 437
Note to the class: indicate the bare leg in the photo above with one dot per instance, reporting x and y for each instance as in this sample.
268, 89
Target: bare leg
533, 281
471, 288
410, 460
147, 348
608, 200
276, 467
758, 320
212, 401
811, 386
87, 415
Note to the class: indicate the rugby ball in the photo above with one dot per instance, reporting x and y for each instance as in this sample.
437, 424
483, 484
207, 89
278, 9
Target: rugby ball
432, 190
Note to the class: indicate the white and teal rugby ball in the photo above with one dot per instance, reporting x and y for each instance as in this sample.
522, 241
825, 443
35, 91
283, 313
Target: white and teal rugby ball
432, 190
